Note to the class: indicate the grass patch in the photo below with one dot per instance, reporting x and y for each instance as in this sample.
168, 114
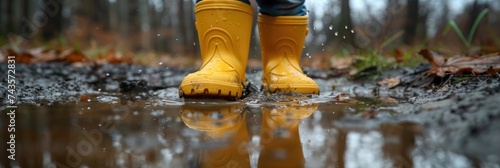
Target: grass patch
467, 41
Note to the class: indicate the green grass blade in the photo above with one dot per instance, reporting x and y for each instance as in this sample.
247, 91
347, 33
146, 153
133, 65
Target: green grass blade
476, 24
392, 38
446, 30
459, 33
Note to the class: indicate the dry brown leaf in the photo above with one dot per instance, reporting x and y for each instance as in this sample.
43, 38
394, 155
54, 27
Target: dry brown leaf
342, 62
84, 98
389, 82
371, 113
388, 100
114, 57
47, 56
474, 64
25, 58
72, 56
342, 97
399, 55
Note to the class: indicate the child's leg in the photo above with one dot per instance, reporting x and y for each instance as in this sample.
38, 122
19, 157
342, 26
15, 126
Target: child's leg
245, 1
282, 7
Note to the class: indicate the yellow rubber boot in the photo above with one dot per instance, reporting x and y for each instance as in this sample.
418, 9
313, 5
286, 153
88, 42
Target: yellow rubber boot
224, 29
282, 38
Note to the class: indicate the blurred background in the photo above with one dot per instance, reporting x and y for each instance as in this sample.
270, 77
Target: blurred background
165, 28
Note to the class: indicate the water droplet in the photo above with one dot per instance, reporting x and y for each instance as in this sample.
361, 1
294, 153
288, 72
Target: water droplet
330, 27
99, 125
107, 74
308, 11
336, 33
314, 28
308, 55
158, 34
139, 71
88, 100
194, 43
176, 39
304, 46
216, 115
322, 44
211, 26
343, 37
88, 108
345, 27
160, 63
352, 31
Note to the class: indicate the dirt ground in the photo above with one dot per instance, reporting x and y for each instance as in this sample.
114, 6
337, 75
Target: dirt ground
460, 114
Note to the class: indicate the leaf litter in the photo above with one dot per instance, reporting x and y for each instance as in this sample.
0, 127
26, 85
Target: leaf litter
441, 65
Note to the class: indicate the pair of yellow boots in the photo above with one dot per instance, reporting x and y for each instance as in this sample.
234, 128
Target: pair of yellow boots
224, 29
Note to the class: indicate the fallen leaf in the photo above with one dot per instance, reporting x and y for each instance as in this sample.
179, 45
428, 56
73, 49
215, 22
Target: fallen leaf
342, 97
389, 82
398, 55
474, 64
72, 56
371, 113
114, 57
46, 56
84, 98
390, 100
341, 62
24, 58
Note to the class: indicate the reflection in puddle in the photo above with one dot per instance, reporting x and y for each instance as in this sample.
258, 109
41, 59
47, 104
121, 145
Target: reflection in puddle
280, 140
225, 133
149, 133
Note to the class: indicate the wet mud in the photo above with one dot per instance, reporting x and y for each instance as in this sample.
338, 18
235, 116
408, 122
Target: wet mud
131, 116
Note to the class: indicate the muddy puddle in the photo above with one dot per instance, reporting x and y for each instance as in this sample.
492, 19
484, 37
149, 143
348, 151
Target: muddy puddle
109, 130
131, 116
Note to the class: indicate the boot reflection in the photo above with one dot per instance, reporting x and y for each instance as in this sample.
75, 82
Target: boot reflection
224, 127
280, 136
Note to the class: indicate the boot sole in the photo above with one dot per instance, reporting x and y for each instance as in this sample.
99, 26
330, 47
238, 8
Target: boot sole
285, 88
211, 89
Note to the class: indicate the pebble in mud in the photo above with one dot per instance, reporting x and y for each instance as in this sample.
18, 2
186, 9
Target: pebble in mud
134, 86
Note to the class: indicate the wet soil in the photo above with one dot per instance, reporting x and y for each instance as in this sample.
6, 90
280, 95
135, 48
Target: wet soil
131, 116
